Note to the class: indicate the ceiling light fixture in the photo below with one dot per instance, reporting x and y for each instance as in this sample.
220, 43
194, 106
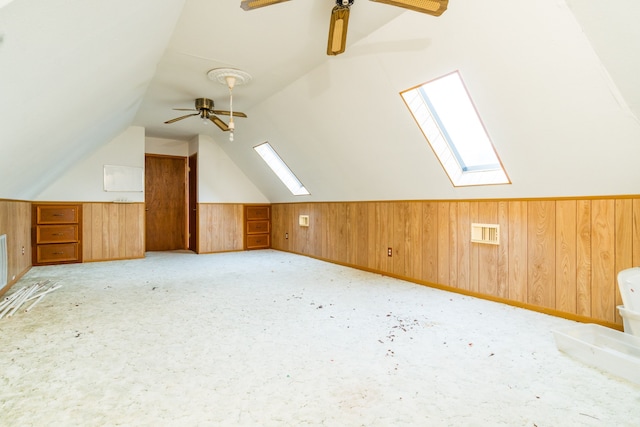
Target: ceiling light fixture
231, 78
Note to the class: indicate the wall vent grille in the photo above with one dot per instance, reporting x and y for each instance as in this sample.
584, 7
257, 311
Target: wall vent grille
485, 233
3, 261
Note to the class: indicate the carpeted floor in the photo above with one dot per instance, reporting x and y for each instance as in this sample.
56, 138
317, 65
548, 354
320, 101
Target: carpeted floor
266, 338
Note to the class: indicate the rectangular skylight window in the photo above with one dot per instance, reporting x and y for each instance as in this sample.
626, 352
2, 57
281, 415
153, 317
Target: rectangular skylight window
283, 172
449, 121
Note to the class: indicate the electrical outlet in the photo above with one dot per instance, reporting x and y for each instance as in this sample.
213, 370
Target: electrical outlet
23, 250
389, 252
286, 235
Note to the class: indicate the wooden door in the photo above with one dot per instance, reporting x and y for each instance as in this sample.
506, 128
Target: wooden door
193, 200
165, 202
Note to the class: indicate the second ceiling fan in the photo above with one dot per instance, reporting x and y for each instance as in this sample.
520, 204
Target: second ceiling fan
340, 16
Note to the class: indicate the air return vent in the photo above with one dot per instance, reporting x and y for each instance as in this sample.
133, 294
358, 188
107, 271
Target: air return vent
3, 261
485, 233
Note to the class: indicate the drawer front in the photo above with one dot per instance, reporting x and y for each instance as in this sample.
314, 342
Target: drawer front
56, 233
57, 214
257, 212
257, 227
59, 252
258, 241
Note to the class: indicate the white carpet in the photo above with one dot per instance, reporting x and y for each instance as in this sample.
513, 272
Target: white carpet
266, 338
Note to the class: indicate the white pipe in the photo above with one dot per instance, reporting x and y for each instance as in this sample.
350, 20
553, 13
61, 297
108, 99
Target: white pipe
42, 295
10, 303
53, 288
19, 303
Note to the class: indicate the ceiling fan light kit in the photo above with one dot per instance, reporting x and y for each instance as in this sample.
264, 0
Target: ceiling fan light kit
340, 16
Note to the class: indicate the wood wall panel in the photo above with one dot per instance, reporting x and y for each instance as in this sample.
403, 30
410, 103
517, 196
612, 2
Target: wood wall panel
541, 253
583, 257
517, 242
566, 241
15, 222
429, 242
560, 255
444, 242
603, 260
221, 227
503, 251
636, 232
112, 231
487, 254
463, 246
623, 243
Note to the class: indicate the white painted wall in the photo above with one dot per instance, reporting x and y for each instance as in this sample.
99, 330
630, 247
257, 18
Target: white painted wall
166, 147
220, 180
84, 181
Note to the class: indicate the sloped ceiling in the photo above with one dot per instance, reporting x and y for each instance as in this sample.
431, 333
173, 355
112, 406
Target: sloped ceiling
553, 80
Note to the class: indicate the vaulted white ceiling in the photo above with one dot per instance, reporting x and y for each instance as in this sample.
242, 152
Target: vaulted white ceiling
555, 82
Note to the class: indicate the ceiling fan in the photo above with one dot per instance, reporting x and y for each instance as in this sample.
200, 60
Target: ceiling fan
204, 109
340, 16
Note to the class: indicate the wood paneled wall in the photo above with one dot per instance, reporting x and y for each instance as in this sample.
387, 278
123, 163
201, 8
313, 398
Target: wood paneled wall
557, 256
112, 231
15, 222
220, 227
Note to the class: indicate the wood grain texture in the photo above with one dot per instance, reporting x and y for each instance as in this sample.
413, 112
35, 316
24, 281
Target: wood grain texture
429, 242
503, 251
463, 245
623, 244
444, 241
566, 241
112, 231
603, 260
636, 232
487, 254
453, 245
221, 227
541, 253
518, 258
545, 258
583, 257
15, 222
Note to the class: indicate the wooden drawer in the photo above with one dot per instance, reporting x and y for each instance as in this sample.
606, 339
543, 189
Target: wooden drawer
258, 227
258, 241
59, 252
56, 233
57, 214
257, 212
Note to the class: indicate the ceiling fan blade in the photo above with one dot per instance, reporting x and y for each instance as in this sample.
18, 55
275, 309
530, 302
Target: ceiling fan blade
338, 30
222, 125
255, 4
228, 113
184, 109
431, 7
180, 118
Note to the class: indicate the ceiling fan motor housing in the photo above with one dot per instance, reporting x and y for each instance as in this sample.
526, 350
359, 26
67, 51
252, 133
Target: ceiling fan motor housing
204, 103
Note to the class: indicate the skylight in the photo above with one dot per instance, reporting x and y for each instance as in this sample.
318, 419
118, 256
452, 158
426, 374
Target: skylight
449, 121
273, 160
